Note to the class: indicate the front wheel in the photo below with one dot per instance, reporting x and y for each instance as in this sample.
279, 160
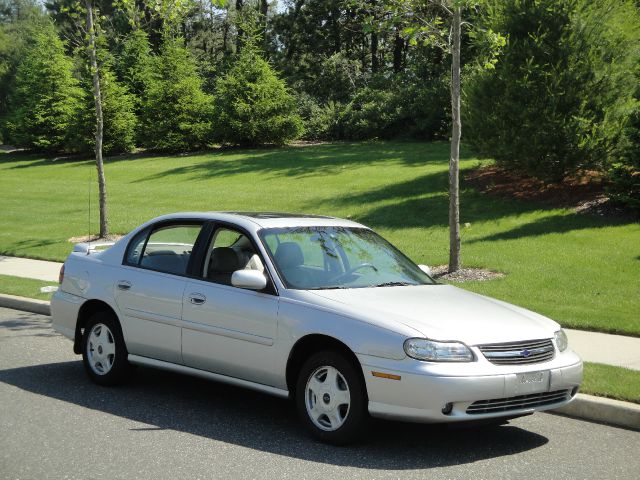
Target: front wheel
104, 353
331, 398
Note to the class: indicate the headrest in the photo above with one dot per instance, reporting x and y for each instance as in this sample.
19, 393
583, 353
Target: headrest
224, 260
289, 255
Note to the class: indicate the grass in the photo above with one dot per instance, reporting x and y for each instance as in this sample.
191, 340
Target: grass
611, 382
24, 287
581, 270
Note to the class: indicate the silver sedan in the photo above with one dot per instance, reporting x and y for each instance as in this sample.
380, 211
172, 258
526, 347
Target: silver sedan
319, 309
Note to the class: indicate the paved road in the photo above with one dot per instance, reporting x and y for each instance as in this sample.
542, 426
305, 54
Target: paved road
55, 424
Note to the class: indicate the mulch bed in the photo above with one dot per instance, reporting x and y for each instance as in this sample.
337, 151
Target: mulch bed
584, 192
464, 274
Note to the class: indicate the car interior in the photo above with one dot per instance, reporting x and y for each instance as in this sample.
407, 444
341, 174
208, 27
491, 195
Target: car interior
238, 254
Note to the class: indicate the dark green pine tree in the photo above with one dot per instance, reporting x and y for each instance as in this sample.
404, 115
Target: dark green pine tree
176, 113
47, 97
118, 111
253, 105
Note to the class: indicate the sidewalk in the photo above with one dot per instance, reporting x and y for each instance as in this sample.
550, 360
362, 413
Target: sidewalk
616, 350
27, 268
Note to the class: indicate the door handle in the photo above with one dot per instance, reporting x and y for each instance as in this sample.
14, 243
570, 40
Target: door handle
124, 285
197, 298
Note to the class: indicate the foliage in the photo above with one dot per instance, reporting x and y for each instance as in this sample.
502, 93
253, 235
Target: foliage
320, 121
134, 65
47, 97
118, 111
560, 95
253, 105
176, 114
20, 20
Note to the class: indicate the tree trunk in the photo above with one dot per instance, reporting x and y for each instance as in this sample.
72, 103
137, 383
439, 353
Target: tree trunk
239, 5
398, 47
374, 52
454, 170
97, 96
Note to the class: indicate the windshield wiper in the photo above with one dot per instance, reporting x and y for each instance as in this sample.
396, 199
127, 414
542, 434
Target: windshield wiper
393, 284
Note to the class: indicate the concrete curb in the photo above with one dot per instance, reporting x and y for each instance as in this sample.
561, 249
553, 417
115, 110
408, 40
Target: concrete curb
600, 409
25, 304
585, 407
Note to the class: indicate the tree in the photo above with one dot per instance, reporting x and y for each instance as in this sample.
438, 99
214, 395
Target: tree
252, 105
97, 97
46, 97
439, 22
20, 20
118, 108
176, 114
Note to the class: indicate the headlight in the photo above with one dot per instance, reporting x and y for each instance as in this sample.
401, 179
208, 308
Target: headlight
562, 342
423, 349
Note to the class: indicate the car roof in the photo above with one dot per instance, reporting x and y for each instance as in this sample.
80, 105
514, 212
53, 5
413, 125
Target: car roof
258, 220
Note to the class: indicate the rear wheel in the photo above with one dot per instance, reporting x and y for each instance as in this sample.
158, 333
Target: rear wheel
331, 398
104, 353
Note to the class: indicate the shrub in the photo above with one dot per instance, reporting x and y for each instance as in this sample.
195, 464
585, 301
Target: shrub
321, 121
134, 65
253, 105
176, 113
118, 112
46, 97
554, 103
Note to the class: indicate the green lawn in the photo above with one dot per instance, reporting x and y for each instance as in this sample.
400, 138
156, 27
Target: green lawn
612, 382
581, 270
24, 287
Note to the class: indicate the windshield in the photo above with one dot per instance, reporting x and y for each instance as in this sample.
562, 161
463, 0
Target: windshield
311, 258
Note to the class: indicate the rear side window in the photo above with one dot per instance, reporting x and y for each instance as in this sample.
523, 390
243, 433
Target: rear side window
166, 249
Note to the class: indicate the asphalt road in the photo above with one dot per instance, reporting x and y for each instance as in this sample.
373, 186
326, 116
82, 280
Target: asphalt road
55, 424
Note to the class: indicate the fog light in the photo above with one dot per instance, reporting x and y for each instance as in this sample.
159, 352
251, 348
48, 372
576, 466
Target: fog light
447, 408
574, 391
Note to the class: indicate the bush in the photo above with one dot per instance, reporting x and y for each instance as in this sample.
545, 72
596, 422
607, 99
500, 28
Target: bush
118, 112
176, 113
321, 122
253, 105
134, 66
46, 97
554, 103
407, 107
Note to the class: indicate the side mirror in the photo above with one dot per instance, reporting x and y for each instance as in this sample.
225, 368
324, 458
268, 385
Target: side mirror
249, 279
425, 269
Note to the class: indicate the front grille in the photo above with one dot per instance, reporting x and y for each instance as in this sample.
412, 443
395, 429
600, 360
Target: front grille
518, 403
518, 353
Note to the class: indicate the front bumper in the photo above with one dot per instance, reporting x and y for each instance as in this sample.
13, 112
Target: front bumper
488, 391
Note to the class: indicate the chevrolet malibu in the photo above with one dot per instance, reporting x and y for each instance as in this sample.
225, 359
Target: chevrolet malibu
317, 309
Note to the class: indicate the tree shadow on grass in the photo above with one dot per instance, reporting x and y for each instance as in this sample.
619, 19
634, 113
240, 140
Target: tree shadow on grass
424, 202
286, 161
167, 401
315, 160
554, 224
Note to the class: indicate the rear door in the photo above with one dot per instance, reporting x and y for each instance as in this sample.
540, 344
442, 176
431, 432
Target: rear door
150, 287
230, 330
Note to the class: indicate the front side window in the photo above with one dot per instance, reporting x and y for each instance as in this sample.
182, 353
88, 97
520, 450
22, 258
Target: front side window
229, 251
166, 249
338, 257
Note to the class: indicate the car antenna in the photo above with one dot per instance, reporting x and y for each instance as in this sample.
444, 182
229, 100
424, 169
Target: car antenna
89, 219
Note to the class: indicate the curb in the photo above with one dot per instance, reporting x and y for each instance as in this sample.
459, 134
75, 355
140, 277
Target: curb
25, 304
584, 407
605, 410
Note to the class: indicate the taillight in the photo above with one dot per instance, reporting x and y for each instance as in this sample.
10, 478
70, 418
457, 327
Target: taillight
61, 274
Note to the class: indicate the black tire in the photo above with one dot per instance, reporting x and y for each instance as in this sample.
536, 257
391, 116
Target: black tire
114, 368
351, 421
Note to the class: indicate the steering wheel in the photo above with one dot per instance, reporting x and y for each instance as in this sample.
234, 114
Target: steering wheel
353, 270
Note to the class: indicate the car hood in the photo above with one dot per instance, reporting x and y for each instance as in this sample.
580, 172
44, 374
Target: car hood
442, 312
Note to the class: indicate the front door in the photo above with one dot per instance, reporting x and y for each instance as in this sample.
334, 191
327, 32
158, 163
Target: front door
229, 330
